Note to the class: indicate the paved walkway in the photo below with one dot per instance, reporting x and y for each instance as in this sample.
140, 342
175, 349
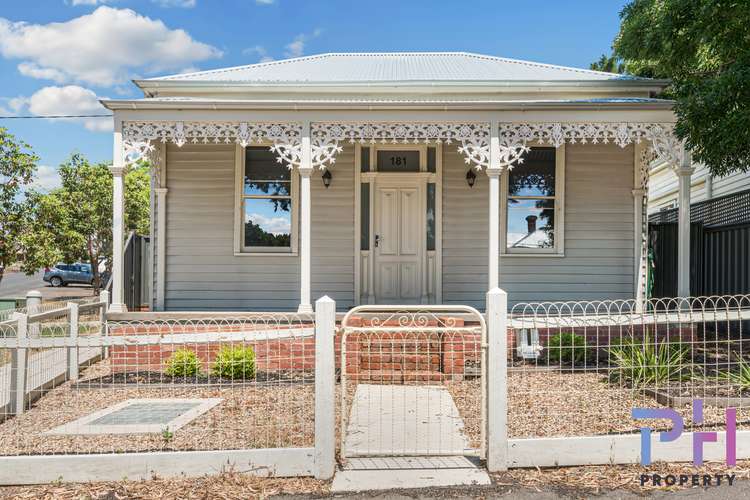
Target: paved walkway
394, 420
405, 437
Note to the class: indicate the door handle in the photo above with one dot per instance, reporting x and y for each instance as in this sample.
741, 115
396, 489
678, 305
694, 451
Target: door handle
377, 240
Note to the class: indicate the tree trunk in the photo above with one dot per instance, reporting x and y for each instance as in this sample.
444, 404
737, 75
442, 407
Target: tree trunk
94, 263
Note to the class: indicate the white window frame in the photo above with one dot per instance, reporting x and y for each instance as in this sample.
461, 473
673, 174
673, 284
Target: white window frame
240, 249
558, 250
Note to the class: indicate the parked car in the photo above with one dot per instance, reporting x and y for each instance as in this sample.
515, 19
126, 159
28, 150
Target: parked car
64, 274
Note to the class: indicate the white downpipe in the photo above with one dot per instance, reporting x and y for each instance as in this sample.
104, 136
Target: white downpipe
161, 240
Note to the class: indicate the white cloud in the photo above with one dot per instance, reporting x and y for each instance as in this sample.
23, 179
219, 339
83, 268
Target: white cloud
34, 71
11, 106
185, 4
273, 225
265, 2
47, 178
296, 47
101, 48
258, 51
70, 100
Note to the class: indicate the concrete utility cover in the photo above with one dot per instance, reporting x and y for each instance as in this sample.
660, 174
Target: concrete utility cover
404, 420
139, 416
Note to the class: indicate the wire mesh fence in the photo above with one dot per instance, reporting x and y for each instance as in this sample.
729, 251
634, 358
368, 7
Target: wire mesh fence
161, 385
579, 368
412, 382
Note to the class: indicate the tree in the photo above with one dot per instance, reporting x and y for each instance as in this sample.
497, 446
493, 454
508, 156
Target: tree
74, 222
18, 165
704, 48
138, 199
608, 64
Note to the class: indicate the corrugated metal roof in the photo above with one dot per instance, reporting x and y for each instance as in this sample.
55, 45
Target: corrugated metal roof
396, 67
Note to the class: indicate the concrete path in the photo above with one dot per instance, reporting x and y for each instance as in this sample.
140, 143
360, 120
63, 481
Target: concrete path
417, 433
386, 473
393, 420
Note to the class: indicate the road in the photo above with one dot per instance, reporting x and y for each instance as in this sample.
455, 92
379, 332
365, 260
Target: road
17, 284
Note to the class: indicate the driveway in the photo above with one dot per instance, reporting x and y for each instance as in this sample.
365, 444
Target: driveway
16, 284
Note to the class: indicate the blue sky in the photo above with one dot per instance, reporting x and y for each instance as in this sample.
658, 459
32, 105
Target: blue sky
59, 56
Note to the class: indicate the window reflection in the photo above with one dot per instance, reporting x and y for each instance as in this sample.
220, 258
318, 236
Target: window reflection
531, 224
267, 200
531, 201
267, 223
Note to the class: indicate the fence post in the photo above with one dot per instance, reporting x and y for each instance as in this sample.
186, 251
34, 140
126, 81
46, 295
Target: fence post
18, 360
104, 299
73, 348
325, 388
33, 306
497, 380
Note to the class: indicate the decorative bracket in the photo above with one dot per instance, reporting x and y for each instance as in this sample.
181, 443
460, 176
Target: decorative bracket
139, 137
474, 138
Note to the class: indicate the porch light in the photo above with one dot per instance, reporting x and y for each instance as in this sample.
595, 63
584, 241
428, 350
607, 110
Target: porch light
471, 177
327, 178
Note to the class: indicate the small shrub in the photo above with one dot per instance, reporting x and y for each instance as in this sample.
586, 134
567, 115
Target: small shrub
183, 363
235, 363
741, 377
648, 363
567, 348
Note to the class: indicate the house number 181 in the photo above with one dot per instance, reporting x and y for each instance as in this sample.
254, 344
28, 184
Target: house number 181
398, 161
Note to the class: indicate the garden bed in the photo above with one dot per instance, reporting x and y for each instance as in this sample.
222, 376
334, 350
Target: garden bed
248, 416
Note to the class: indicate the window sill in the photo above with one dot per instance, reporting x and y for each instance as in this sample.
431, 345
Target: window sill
266, 254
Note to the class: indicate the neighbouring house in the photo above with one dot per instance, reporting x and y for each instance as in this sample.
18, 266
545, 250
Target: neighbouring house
396, 178
720, 232
663, 190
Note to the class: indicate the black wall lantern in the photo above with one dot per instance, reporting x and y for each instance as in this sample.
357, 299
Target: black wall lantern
471, 177
327, 178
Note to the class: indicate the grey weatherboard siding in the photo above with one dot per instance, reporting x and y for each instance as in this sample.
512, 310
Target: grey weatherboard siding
202, 272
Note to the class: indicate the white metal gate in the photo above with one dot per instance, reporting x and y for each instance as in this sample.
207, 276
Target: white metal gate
413, 381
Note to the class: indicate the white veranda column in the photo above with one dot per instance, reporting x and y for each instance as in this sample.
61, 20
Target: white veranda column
493, 172
118, 222
305, 171
684, 173
161, 239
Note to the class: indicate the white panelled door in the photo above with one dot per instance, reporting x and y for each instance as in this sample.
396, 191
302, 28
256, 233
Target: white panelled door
399, 242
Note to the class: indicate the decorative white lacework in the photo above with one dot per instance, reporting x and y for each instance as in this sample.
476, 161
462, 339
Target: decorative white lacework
139, 137
474, 138
514, 137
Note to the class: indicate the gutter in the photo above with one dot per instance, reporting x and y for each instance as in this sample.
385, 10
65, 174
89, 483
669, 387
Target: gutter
153, 87
147, 104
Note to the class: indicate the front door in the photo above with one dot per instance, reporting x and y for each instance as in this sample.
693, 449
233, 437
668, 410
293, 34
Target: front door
399, 241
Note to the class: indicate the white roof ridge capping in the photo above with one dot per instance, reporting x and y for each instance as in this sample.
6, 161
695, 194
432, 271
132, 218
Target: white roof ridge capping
379, 68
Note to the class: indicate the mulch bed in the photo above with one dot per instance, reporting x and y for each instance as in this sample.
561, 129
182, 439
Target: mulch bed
260, 416
225, 485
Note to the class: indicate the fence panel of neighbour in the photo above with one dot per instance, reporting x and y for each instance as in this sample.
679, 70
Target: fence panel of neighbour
577, 370
719, 246
28, 373
166, 396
